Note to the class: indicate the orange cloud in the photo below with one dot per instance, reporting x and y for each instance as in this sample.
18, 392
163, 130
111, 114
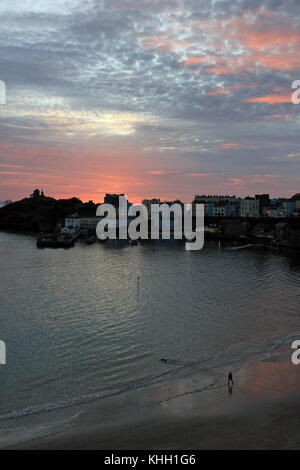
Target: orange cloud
270, 99
229, 145
270, 38
162, 172
284, 116
155, 172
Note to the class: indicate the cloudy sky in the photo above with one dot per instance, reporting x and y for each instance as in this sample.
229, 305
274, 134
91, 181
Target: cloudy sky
152, 98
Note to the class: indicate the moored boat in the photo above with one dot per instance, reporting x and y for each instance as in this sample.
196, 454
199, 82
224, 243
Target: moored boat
91, 240
48, 240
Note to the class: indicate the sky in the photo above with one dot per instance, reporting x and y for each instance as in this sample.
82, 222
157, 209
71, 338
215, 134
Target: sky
167, 98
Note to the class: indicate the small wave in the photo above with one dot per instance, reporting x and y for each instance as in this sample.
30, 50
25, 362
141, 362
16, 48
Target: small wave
48, 407
181, 367
76, 415
278, 343
79, 400
21, 428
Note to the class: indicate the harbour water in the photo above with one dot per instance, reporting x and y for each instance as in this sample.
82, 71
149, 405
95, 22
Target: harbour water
85, 323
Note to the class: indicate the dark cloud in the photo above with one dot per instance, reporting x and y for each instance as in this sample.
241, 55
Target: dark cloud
177, 77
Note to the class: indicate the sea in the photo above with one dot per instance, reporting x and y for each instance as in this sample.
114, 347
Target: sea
94, 321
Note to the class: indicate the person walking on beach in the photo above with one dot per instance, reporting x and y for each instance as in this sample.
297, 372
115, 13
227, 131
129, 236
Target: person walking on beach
230, 380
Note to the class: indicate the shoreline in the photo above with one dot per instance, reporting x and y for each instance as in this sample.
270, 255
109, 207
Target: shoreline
248, 242
194, 412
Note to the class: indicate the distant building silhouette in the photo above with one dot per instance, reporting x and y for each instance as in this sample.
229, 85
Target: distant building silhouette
112, 199
264, 202
36, 194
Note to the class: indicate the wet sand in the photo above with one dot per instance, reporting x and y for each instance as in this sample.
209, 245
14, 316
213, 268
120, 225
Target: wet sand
262, 412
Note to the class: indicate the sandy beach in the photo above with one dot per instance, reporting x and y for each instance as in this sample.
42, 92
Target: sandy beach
262, 412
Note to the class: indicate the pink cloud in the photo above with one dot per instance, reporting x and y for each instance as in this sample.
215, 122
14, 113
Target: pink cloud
166, 44
258, 11
195, 60
266, 41
195, 175
234, 182
7, 165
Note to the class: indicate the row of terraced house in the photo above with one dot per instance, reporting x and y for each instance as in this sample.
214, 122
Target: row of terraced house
214, 206
259, 206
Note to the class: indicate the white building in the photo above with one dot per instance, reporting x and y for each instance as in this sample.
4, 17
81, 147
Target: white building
72, 224
249, 207
89, 223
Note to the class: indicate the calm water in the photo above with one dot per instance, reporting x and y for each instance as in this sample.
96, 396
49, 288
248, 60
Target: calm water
83, 323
